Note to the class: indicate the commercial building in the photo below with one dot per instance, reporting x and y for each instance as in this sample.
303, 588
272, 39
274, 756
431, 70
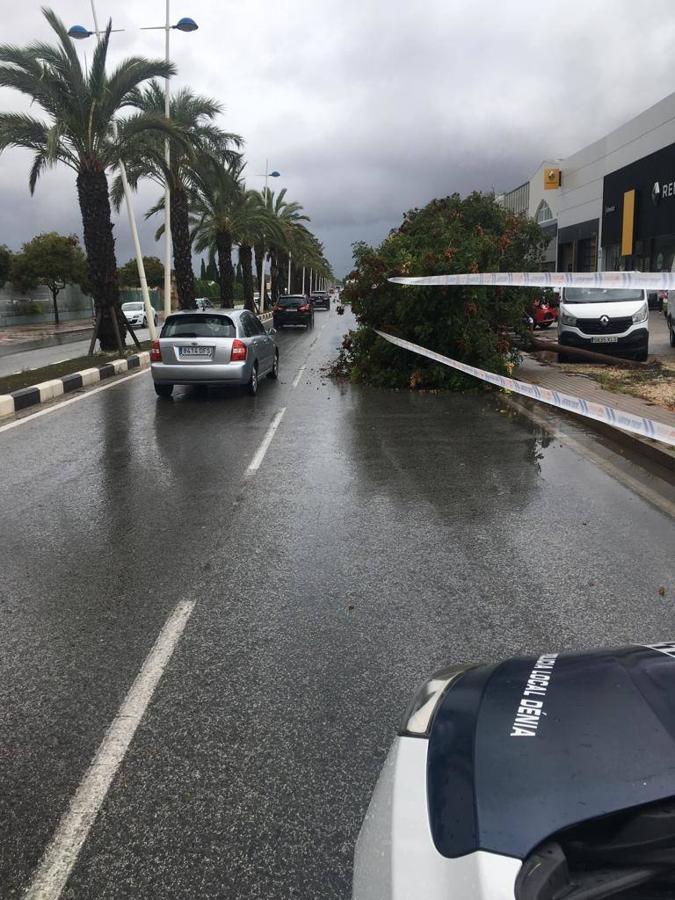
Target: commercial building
611, 205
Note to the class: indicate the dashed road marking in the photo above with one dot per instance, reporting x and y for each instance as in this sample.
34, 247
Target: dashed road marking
62, 852
297, 378
259, 455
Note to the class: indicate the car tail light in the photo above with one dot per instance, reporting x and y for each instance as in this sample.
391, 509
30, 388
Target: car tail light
239, 351
304, 308
155, 352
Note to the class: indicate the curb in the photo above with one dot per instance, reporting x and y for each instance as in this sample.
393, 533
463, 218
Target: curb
653, 450
50, 390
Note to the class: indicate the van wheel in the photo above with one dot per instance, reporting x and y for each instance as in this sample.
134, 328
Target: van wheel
563, 358
163, 390
671, 332
642, 356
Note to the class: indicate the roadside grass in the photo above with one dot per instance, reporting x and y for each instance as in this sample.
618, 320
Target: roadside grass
654, 386
30, 377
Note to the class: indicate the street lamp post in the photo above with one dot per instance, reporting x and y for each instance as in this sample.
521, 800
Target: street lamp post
268, 174
289, 272
184, 24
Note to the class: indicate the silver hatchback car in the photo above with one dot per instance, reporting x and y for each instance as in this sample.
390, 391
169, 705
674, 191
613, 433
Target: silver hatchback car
220, 347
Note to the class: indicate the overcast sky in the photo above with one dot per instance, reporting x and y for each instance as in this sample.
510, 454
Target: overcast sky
370, 107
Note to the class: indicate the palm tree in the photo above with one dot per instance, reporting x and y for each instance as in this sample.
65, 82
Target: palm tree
306, 252
225, 213
287, 215
81, 130
193, 116
214, 188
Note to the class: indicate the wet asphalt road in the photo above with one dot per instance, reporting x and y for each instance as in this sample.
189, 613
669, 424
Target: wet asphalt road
383, 535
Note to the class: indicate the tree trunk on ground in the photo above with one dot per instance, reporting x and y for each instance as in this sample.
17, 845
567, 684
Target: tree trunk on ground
182, 249
225, 268
92, 192
246, 260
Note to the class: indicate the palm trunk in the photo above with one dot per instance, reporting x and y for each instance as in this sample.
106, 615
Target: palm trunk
274, 275
55, 294
182, 249
246, 260
225, 268
92, 192
259, 271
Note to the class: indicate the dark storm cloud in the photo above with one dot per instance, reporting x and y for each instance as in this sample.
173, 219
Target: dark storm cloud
369, 108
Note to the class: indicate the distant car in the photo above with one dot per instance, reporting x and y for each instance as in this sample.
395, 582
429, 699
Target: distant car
203, 303
537, 778
321, 300
135, 314
218, 348
293, 309
543, 312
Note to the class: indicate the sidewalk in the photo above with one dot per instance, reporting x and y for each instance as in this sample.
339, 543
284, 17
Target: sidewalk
550, 376
20, 334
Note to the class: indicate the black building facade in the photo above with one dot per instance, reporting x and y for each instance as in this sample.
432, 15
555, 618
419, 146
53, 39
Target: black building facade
649, 233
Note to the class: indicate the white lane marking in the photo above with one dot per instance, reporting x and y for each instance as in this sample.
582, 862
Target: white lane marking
256, 462
55, 406
64, 847
324, 325
297, 378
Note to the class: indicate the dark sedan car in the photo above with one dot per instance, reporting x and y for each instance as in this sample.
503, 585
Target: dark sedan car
293, 309
321, 300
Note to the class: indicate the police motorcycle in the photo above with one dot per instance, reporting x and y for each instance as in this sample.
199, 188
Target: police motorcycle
549, 777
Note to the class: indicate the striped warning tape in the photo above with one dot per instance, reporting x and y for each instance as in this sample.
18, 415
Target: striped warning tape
610, 415
650, 281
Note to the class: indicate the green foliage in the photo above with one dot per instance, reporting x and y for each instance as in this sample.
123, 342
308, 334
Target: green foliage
52, 259
206, 288
154, 273
475, 325
5, 264
212, 271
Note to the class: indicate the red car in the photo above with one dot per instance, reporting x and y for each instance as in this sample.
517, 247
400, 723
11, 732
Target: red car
545, 310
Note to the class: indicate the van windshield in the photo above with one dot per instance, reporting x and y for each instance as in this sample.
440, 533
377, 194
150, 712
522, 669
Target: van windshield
600, 295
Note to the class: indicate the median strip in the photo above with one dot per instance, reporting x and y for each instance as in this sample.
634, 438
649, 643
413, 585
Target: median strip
46, 391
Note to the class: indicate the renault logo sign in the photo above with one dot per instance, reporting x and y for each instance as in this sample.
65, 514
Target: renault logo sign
656, 193
604, 321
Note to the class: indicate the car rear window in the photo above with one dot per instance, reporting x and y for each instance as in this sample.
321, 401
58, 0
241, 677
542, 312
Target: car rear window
291, 301
199, 326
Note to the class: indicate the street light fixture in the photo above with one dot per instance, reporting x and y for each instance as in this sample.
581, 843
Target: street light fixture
185, 24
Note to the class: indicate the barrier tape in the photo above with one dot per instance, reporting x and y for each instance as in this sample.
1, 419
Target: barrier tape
609, 415
650, 281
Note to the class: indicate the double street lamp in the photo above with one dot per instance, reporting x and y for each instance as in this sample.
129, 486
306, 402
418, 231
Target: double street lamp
79, 32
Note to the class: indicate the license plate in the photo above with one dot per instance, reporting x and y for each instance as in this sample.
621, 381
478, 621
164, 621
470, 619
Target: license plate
196, 352
605, 339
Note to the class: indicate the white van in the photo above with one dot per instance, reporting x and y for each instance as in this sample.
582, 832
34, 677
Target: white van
613, 320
